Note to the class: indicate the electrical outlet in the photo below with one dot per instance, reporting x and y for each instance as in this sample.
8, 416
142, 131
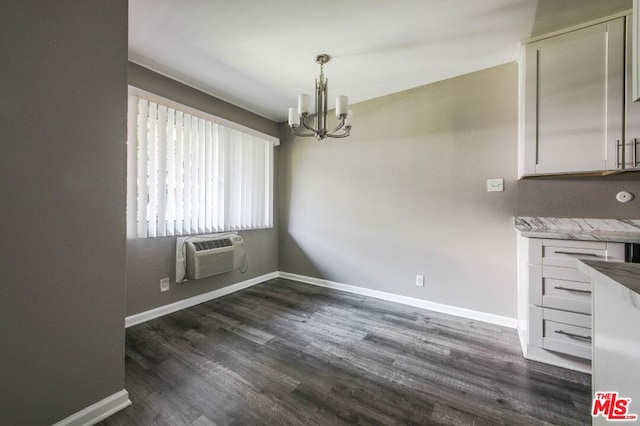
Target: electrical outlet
164, 284
420, 280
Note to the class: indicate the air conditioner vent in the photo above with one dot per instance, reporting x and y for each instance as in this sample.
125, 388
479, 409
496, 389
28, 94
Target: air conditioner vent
214, 256
213, 244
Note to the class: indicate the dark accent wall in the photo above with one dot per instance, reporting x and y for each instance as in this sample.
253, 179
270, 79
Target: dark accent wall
588, 197
63, 110
151, 259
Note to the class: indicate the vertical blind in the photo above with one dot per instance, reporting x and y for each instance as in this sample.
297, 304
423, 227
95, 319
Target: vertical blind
192, 175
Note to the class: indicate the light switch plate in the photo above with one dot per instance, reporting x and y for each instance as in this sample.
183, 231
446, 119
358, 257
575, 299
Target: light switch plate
495, 185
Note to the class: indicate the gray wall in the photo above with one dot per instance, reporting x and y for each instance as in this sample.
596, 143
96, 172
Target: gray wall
592, 197
62, 184
151, 259
406, 195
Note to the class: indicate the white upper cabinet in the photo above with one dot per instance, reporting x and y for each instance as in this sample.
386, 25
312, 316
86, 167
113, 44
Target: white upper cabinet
573, 105
635, 54
632, 107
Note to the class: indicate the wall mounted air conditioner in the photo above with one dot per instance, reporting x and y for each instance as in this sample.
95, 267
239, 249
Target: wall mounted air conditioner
214, 256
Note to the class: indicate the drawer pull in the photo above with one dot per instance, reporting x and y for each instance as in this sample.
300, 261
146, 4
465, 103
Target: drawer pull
620, 149
574, 336
575, 290
577, 254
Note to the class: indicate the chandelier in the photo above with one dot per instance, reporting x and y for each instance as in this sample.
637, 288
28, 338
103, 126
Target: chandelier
303, 123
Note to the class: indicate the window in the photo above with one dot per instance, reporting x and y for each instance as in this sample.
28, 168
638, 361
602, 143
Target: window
193, 173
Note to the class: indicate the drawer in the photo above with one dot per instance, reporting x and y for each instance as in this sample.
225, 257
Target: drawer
564, 253
560, 331
566, 274
570, 318
559, 288
567, 295
567, 339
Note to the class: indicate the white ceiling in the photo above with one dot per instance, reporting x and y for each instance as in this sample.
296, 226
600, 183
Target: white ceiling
260, 54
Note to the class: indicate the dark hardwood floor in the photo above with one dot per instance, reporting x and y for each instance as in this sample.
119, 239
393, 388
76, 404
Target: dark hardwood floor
283, 353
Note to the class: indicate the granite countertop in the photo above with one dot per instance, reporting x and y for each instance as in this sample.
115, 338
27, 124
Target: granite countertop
624, 277
613, 230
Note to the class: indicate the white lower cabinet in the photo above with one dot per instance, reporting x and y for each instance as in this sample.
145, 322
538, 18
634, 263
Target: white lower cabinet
561, 331
559, 299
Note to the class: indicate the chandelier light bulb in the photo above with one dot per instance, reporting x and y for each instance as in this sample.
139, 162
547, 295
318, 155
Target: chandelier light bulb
304, 104
347, 121
342, 105
294, 118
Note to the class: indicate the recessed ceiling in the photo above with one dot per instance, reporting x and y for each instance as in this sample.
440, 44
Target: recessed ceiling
259, 55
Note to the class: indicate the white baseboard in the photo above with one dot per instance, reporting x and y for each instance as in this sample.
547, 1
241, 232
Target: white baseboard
411, 301
98, 411
196, 300
522, 336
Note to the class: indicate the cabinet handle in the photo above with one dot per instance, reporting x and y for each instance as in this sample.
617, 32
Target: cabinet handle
574, 336
617, 153
634, 152
572, 253
575, 290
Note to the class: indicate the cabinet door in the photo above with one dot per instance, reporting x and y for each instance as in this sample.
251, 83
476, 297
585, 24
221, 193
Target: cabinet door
635, 54
574, 100
632, 109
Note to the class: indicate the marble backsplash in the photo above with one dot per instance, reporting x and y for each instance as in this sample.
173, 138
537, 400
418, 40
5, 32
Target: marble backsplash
617, 230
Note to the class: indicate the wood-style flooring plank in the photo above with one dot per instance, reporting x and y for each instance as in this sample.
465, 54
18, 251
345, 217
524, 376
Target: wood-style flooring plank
287, 353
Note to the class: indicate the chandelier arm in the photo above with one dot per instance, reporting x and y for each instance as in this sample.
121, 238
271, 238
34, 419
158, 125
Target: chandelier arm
295, 132
304, 123
341, 135
323, 134
338, 127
